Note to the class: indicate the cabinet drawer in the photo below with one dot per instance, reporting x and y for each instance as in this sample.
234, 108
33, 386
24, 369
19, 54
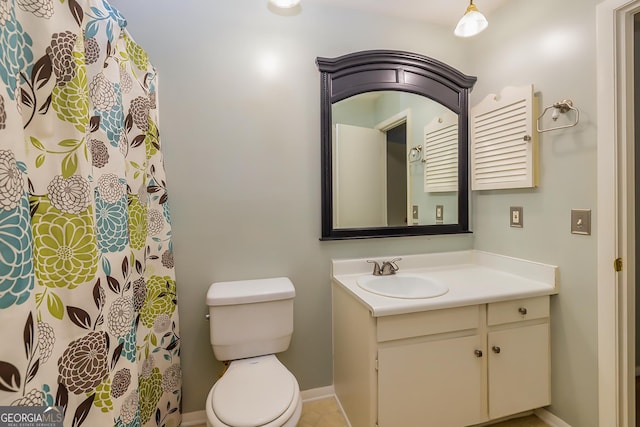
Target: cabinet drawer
517, 310
428, 322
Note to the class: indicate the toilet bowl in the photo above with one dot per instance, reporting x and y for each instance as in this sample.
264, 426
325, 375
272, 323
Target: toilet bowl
255, 392
250, 321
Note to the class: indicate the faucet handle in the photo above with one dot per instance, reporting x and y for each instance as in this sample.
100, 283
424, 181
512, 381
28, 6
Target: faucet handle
393, 262
390, 267
377, 270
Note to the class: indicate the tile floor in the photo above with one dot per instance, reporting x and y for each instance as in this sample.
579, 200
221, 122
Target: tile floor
326, 413
322, 413
530, 421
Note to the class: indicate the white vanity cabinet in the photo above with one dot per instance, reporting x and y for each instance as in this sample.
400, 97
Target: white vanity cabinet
428, 363
518, 355
454, 367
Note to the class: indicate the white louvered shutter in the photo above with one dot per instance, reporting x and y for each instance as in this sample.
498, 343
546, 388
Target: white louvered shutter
441, 154
504, 146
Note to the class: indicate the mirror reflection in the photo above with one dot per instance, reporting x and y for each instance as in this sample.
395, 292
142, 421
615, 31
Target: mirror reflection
395, 161
394, 145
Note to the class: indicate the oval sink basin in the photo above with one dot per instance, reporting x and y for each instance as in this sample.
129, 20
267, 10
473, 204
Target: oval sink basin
403, 286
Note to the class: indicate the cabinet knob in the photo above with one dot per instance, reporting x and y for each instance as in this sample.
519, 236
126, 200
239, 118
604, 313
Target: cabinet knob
495, 349
478, 353
522, 310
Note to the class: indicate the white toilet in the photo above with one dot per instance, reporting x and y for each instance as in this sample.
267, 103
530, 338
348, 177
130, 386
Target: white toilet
249, 321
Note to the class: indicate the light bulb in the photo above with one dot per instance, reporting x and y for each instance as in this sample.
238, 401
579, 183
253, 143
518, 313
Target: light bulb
285, 4
472, 22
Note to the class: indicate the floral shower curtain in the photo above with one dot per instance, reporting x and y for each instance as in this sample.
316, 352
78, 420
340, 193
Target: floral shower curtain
88, 317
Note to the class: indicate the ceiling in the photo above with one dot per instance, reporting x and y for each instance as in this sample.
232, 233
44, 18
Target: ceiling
443, 12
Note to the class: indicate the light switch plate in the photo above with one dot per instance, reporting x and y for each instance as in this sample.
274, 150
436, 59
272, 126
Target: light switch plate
439, 214
581, 221
515, 216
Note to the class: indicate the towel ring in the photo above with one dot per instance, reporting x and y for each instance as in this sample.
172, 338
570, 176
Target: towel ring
559, 107
414, 154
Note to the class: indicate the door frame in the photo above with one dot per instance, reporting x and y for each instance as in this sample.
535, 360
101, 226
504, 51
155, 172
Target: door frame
397, 119
615, 209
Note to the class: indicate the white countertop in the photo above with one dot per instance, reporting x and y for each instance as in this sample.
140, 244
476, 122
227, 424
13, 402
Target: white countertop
473, 277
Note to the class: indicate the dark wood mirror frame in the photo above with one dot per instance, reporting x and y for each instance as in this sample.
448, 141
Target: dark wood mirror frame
377, 70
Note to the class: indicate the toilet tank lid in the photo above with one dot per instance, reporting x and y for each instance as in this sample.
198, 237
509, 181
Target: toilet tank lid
250, 291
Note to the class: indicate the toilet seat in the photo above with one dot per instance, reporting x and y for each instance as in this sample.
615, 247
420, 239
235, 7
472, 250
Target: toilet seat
254, 392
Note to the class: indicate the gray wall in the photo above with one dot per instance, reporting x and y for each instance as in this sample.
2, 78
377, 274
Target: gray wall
242, 153
242, 156
554, 48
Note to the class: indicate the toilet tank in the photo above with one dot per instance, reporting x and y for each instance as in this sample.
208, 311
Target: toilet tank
250, 318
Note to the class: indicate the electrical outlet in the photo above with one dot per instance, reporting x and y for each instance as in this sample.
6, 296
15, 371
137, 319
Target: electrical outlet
581, 221
515, 216
439, 214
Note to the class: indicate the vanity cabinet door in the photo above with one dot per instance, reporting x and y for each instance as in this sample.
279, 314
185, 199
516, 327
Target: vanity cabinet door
431, 383
519, 369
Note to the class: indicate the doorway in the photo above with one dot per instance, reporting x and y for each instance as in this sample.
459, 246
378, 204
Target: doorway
397, 164
399, 141
616, 211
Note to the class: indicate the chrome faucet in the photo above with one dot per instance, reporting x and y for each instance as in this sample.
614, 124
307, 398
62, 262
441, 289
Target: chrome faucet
376, 267
386, 269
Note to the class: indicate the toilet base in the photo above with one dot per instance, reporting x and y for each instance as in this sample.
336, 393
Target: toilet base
288, 418
291, 422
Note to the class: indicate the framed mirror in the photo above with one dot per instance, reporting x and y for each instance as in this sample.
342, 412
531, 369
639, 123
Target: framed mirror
394, 136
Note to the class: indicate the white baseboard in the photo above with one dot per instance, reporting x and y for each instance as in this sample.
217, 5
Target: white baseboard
549, 418
197, 418
317, 393
344, 414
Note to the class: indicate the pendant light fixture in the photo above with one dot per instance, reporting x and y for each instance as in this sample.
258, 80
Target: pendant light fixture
472, 22
284, 4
